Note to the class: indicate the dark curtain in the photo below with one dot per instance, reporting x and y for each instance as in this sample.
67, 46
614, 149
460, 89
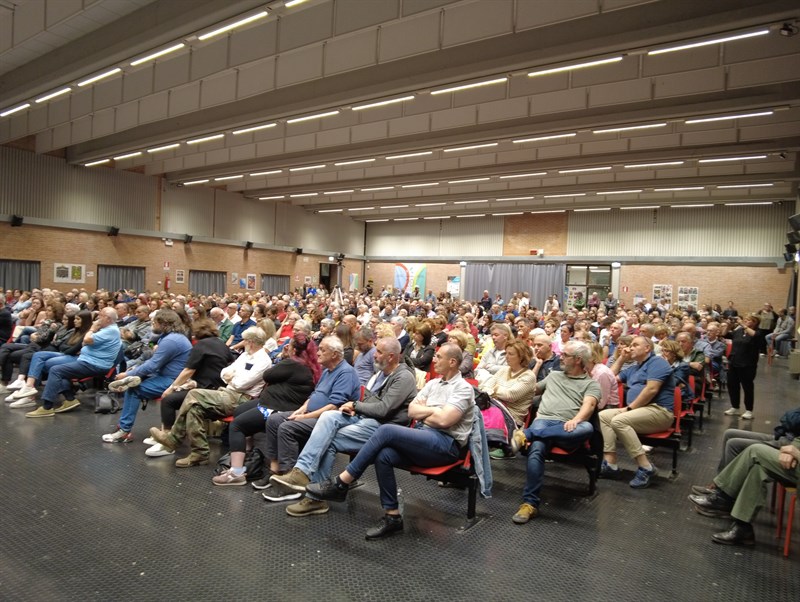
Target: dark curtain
539, 279
115, 277
274, 284
23, 275
207, 283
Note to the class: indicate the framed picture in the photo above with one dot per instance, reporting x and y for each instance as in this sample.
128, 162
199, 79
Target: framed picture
72, 273
251, 282
180, 277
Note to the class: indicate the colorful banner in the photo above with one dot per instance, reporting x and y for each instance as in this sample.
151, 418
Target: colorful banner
409, 275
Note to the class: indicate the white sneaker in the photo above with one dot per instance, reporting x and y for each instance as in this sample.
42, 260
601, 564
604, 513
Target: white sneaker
123, 384
647, 448
24, 392
149, 441
732, 412
17, 384
25, 402
748, 415
157, 451
10, 398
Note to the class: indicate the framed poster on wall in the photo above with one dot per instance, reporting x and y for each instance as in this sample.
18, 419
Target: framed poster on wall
72, 273
180, 277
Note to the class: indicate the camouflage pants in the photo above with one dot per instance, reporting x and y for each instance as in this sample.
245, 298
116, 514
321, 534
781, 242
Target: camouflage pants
201, 405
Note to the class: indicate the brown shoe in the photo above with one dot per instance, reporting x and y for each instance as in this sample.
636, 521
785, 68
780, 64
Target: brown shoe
192, 459
162, 437
296, 480
67, 406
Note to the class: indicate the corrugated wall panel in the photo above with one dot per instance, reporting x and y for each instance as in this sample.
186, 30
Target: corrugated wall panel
476, 236
188, 210
430, 238
47, 187
318, 232
238, 218
720, 231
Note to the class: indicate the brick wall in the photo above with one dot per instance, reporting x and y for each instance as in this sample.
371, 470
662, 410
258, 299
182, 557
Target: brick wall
382, 274
547, 231
50, 245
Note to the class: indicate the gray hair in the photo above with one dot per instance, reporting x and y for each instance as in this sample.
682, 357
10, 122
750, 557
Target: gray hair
335, 344
580, 350
328, 323
255, 335
304, 325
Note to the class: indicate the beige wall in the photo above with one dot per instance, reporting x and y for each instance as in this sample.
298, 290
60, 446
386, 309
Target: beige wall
547, 231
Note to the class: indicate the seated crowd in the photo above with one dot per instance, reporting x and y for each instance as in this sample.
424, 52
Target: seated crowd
391, 379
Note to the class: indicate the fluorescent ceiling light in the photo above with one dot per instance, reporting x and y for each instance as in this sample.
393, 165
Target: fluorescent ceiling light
127, 156
438, 217
679, 188
723, 159
376, 188
266, 173
727, 117
593, 209
429, 204
330, 210
407, 155
749, 204
383, 103
226, 178
157, 54
205, 139
641, 207
742, 36
361, 208
405, 219
619, 192
315, 116
488, 82
661, 164
16, 109
271, 198
291, 3
420, 185
512, 213
99, 162
584, 169
473, 215
554, 211
540, 138
376, 220
255, 128
524, 175
746, 186
47, 97
158, 149
561, 196
516, 198
303, 195
304, 168
470, 202
467, 181
356, 162
614, 59
691, 206
629, 128
339, 191
471, 147
96, 78
235, 24
195, 182
394, 207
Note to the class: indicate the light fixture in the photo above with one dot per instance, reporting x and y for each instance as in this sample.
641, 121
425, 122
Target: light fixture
271, 198
315, 116
473, 215
488, 82
234, 25
746, 186
630, 128
157, 54
373, 221
302, 195
271, 172
748, 204
438, 217
226, 178
100, 76
205, 139
524, 175
361, 208
540, 138
355, 162
330, 210
376, 188
338, 191
661, 164
98, 162
320, 166
159, 149
254, 128
195, 182
429, 204
592, 209
127, 156
640, 207
724, 159
728, 117
552, 211
562, 196
291, 3
383, 103
616, 265
470, 202
405, 219
408, 155
393, 207
788, 30
596, 63
510, 213
515, 198
47, 97
468, 180
470, 147
619, 192
420, 185
585, 169
16, 109
679, 189
740, 36
694, 206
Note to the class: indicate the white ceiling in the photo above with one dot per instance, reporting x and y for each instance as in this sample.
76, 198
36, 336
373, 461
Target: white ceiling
329, 56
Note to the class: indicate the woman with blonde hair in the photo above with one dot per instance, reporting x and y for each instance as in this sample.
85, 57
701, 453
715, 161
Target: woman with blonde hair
514, 383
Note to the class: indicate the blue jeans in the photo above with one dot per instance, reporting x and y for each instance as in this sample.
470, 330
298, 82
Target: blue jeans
334, 432
393, 445
543, 435
60, 380
151, 388
43, 362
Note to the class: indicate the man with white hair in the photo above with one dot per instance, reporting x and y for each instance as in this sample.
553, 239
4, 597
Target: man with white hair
224, 325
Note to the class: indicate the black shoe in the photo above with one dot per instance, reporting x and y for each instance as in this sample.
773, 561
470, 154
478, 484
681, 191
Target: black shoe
704, 489
262, 483
328, 490
713, 505
390, 523
740, 534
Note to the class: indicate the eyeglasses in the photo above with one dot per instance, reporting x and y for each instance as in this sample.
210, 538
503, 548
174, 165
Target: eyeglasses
564, 354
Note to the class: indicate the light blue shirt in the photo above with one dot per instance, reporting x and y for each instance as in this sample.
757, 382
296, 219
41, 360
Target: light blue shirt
103, 352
